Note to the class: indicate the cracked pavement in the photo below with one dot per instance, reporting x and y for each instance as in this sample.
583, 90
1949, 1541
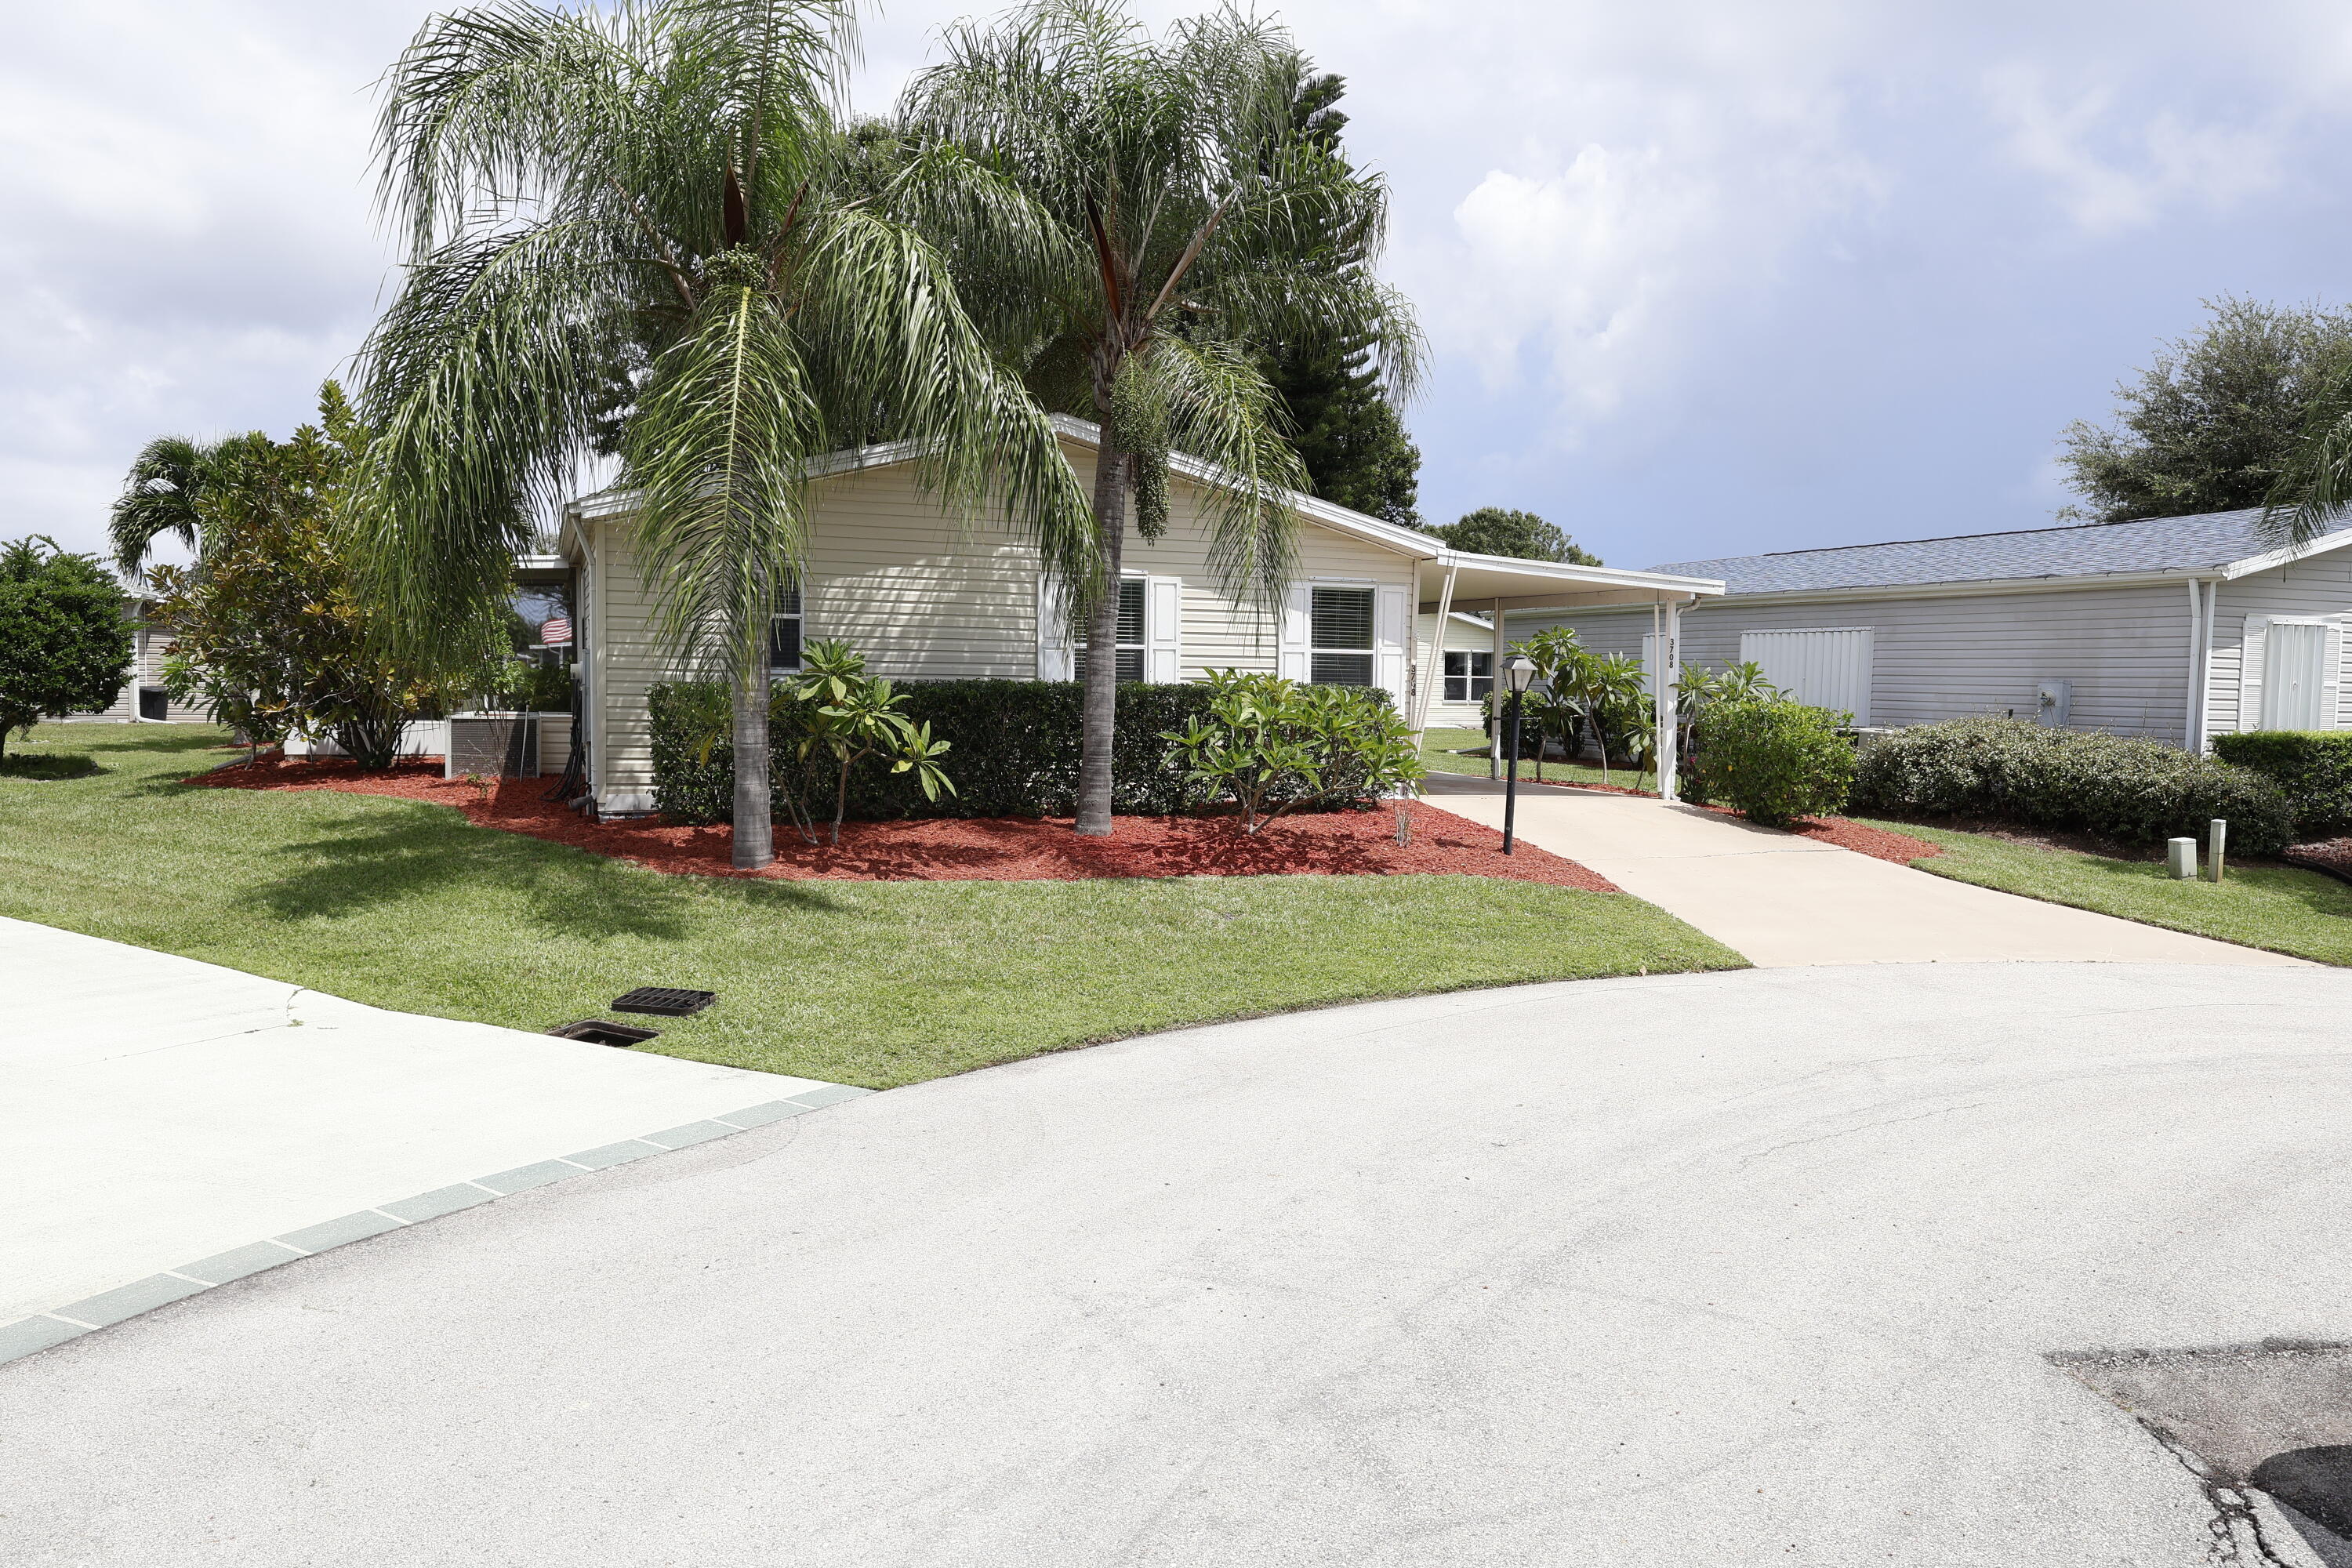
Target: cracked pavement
1767, 1267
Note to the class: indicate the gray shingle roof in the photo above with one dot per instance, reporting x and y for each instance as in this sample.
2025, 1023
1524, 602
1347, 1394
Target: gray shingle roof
2151, 544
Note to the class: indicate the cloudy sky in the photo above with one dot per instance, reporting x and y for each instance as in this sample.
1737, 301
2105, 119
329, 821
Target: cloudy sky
1703, 276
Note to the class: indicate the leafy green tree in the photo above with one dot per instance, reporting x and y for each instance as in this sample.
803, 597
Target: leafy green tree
266, 627
1492, 530
2216, 420
65, 643
643, 228
1180, 223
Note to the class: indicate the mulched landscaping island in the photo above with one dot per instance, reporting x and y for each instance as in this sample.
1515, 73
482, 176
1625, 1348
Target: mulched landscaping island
1001, 849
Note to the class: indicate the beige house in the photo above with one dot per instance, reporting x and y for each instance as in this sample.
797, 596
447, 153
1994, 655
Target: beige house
143, 696
928, 597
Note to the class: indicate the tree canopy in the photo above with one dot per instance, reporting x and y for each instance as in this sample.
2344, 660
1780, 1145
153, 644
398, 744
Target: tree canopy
65, 643
1495, 531
2216, 418
1149, 219
643, 228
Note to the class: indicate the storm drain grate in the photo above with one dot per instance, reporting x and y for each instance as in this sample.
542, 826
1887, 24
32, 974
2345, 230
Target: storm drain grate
667, 1000
603, 1032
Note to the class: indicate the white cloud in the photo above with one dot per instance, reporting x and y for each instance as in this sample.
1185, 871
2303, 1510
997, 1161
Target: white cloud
2111, 170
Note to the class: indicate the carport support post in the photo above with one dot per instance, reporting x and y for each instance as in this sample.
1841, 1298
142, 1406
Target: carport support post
1494, 689
1668, 684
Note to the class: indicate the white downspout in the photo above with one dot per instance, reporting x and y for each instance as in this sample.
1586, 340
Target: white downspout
2205, 669
1437, 668
2189, 737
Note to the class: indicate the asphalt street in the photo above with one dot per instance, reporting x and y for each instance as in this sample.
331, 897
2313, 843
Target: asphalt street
1768, 1267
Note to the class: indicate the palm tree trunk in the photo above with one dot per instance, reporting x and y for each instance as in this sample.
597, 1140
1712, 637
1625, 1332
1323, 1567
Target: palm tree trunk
1101, 695
755, 828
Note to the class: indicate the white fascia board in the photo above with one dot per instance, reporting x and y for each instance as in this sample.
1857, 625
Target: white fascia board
1552, 573
2288, 557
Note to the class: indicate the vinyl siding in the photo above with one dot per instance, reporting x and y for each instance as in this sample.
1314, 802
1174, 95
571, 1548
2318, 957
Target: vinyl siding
148, 648
926, 597
2126, 649
1462, 637
2321, 586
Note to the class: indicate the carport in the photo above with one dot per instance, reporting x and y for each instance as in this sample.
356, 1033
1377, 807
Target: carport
1502, 586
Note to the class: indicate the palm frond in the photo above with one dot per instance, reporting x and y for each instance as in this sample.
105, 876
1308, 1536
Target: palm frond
1223, 411
2314, 484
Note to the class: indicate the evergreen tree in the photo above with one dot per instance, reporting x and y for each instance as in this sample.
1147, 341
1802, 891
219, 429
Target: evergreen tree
64, 645
1347, 432
1495, 531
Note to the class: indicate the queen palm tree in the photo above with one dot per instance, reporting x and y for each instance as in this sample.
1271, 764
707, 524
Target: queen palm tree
1183, 219
656, 204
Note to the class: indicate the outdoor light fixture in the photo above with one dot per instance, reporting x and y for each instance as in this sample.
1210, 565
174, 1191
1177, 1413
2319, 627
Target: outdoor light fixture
1517, 671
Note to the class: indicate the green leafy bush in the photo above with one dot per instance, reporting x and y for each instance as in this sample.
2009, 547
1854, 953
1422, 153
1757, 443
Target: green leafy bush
1016, 745
2010, 770
1271, 746
64, 647
2314, 767
1774, 761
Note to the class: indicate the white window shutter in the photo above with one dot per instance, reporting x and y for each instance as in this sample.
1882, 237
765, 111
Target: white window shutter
1054, 658
2331, 679
1163, 630
1291, 662
1388, 643
2250, 672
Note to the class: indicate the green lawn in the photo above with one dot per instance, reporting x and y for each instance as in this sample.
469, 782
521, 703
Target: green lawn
408, 906
2275, 907
1439, 749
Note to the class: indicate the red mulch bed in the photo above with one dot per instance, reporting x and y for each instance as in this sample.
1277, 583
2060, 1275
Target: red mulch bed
2333, 856
1014, 849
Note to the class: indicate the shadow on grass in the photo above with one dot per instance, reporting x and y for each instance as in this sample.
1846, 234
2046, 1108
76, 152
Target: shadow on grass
403, 853
49, 765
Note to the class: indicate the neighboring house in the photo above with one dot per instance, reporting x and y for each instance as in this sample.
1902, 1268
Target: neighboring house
143, 696
2178, 628
1466, 669
925, 597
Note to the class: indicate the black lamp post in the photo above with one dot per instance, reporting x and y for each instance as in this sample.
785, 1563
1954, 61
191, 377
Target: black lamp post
1517, 671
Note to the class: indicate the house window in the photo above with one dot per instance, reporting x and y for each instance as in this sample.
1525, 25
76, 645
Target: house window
784, 634
1339, 644
1469, 676
1131, 633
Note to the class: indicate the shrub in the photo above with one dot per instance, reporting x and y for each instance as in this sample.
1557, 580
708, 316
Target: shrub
1271, 746
64, 645
2010, 770
1775, 761
55, 765
1014, 750
2314, 767
834, 716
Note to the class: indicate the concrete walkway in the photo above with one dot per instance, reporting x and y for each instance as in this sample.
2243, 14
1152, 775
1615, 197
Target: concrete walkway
1732, 1270
156, 1111
1779, 898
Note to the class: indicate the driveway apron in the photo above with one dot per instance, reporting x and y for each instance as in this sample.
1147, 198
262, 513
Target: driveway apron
163, 1120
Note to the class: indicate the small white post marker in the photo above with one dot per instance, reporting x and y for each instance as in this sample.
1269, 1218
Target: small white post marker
2183, 859
2217, 840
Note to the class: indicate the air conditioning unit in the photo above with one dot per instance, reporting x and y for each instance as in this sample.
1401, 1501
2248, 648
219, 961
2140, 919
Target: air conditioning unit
492, 745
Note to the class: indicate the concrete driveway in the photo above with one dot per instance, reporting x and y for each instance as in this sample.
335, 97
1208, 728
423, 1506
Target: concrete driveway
166, 1124
1779, 898
1755, 1267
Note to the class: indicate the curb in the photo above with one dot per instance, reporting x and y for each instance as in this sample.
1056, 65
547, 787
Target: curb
29, 1336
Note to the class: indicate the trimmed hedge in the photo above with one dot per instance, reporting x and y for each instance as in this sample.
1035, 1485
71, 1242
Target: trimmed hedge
2313, 767
1773, 761
2011, 770
1013, 751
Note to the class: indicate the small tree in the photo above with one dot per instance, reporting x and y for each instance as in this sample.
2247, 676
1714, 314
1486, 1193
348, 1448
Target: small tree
266, 627
1272, 746
834, 716
65, 645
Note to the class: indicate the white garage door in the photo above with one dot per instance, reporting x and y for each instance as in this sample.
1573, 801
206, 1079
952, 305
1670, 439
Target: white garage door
1825, 668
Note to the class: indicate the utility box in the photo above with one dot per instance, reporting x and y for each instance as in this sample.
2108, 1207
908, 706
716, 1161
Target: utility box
492, 745
2051, 699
